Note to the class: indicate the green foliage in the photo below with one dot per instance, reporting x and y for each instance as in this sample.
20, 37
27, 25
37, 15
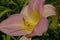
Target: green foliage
9, 7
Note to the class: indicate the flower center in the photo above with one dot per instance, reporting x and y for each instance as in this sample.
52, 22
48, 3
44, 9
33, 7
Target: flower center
28, 26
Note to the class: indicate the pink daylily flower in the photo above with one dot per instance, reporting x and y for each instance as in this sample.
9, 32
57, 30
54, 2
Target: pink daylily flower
30, 22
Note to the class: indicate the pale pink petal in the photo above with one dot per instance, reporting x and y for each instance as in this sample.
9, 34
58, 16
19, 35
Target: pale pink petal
40, 28
13, 25
36, 5
25, 38
49, 10
25, 11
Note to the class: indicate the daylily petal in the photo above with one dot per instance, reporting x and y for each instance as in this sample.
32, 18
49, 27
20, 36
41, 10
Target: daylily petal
25, 38
36, 5
40, 28
25, 11
11, 25
33, 13
35, 8
49, 10
14, 25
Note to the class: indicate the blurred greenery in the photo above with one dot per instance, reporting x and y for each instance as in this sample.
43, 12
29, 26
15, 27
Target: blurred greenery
9, 7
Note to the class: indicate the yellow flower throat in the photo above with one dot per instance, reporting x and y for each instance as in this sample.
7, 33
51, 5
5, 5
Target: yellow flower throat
28, 26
